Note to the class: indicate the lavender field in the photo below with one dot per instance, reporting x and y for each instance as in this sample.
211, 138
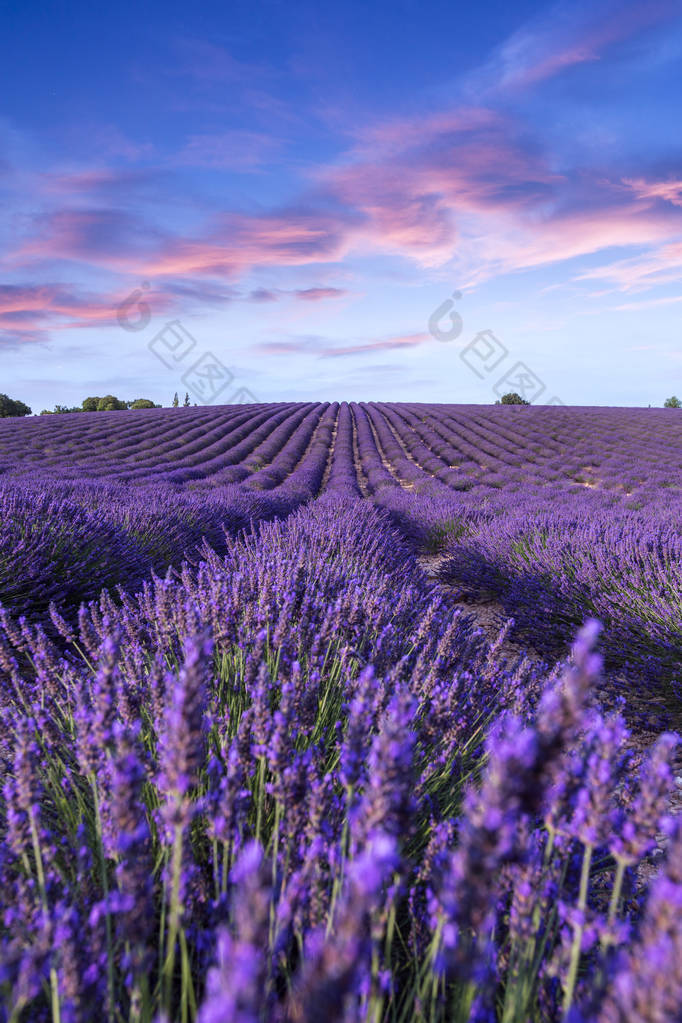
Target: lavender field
265, 759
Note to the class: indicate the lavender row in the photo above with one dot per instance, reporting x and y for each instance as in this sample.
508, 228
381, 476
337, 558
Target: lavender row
306, 471
342, 478
292, 784
282, 463
553, 566
66, 542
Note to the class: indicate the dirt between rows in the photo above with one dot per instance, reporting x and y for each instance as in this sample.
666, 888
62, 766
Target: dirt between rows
488, 615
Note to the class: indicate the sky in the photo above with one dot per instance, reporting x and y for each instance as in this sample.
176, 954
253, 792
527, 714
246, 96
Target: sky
404, 201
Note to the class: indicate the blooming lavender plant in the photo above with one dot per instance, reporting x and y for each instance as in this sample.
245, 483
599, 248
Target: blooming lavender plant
257, 765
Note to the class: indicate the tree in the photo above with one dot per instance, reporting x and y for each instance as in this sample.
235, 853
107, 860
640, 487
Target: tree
672, 402
109, 403
90, 404
176, 400
185, 403
12, 407
512, 398
143, 403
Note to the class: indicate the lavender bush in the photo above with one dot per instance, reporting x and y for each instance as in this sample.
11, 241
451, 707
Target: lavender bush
258, 766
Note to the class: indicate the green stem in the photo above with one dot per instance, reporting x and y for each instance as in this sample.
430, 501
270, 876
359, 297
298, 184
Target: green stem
275, 852
578, 930
189, 1001
54, 982
260, 795
105, 889
338, 880
617, 888
174, 918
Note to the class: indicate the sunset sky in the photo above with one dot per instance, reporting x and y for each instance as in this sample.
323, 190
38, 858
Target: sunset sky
301, 186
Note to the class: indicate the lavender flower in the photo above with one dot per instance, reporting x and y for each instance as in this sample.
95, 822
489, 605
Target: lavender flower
647, 983
236, 986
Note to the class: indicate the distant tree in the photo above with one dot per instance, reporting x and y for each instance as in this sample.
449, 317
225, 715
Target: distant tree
12, 407
185, 403
109, 403
61, 409
90, 404
512, 398
176, 400
672, 402
143, 403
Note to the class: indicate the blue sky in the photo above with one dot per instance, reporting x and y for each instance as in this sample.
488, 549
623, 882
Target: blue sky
302, 186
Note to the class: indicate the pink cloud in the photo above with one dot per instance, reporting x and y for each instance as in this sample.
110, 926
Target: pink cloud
263, 295
470, 189
480, 196
385, 344
663, 265
92, 181
285, 238
490, 200
287, 347
400, 134
463, 186
670, 191
413, 200
582, 232
565, 37
553, 64
28, 312
324, 348
649, 303
319, 294
106, 237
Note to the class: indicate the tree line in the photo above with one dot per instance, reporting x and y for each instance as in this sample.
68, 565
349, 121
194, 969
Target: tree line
11, 407
110, 403
106, 403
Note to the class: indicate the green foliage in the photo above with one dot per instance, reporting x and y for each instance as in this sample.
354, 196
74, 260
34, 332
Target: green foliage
109, 403
512, 398
143, 403
185, 403
673, 402
176, 400
12, 407
449, 529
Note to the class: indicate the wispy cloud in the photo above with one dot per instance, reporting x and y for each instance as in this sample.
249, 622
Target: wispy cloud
401, 341
564, 37
473, 189
29, 313
324, 347
98, 183
669, 191
660, 265
649, 303
319, 294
